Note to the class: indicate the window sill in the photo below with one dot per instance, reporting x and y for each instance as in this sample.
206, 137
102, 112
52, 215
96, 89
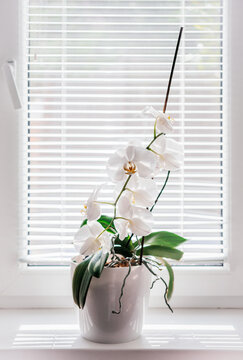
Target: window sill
188, 333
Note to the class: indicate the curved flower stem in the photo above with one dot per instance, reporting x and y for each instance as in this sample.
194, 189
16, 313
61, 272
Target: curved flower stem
104, 202
161, 191
118, 197
129, 190
155, 124
105, 229
151, 142
155, 152
123, 188
155, 202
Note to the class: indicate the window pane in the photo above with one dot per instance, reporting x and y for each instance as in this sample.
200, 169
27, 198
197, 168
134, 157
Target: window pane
92, 68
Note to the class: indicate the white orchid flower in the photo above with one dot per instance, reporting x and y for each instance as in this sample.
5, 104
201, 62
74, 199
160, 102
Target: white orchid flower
91, 210
131, 160
169, 153
141, 192
132, 218
91, 238
164, 123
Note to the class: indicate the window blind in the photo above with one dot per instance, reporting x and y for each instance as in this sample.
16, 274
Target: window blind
92, 66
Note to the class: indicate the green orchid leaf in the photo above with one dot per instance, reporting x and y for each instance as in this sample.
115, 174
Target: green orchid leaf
164, 238
105, 221
161, 251
93, 265
78, 276
122, 250
171, 278
125, 243
84, 223
97, 263
84, 287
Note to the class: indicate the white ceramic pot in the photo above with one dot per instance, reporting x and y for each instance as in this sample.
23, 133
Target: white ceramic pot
98, 323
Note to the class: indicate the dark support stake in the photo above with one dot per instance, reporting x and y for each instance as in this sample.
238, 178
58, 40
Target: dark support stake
172, 69
141, 254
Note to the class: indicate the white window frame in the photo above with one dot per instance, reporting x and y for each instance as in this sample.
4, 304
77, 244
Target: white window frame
21, 286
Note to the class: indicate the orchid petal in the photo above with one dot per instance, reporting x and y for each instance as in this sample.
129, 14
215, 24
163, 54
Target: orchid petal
171, 162
151, 110
122, 228
173, 145
91, 237
80, 237
163, 121
82, 234
163, 125
149, 185
130, 153
95, 228
106, 243
144, 170
124, 207
89, 246
159, 144
117, 174
134, 182
143, 198
139, 227
143, 214
93, 211
97, 190
144, 155
115, 159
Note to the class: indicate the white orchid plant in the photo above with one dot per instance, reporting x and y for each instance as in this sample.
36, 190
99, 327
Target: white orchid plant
126, 238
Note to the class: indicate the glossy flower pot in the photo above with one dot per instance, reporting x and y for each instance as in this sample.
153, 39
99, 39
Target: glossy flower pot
98, 323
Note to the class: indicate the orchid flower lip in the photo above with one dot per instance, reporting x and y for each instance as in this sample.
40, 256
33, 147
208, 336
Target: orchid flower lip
130, 168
